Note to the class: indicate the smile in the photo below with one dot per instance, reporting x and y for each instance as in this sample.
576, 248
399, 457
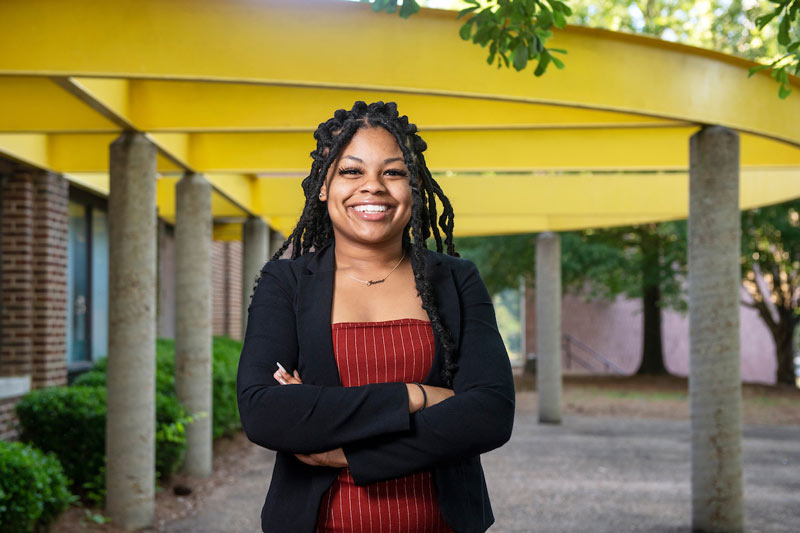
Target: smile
370, 208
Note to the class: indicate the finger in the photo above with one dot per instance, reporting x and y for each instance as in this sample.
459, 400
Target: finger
307, 459
297, 375
279, 379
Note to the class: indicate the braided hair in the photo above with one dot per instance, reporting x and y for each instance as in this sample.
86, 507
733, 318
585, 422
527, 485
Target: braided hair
314, 229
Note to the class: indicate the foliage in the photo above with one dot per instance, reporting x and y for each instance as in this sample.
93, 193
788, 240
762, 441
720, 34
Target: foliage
225, 409
33, 488
515, 31
225, 412
71, 422
771, 275
602, 263
788, 10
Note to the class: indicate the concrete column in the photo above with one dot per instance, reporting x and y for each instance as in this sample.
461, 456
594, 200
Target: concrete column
256, 237
276, 239
193, 235
715, 395
130, 425
548, 326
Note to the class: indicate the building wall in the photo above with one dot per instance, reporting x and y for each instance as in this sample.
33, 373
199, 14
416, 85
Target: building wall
226, 288
614, 330
33, 237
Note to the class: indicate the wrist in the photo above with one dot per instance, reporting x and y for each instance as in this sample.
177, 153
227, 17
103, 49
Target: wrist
415, 398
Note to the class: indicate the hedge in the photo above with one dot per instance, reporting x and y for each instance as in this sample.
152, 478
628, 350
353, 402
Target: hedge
33, 488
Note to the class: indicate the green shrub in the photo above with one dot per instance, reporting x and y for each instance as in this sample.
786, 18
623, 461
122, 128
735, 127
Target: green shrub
226, 352
225, 411
33, 488
71, 422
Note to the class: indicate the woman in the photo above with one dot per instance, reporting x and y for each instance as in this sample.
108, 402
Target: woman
372, 365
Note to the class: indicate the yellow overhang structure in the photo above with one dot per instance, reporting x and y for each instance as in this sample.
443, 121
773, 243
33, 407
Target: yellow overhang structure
235, 88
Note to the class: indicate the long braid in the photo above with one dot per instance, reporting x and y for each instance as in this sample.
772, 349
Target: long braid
314, 228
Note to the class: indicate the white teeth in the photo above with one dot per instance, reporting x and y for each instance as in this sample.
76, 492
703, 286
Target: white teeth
370, 208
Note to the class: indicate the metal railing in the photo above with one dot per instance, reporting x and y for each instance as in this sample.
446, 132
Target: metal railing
590, 356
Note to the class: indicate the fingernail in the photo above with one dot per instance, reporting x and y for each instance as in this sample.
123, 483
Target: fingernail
282, 381
281, 367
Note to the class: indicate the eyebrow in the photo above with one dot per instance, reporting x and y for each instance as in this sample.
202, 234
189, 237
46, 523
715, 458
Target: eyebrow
385, 161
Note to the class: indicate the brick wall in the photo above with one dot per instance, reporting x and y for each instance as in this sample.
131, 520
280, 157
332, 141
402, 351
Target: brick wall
226, 288
16, 285
33, 283
8, 419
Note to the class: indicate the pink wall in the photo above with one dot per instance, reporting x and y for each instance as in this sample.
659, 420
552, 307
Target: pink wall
614, 329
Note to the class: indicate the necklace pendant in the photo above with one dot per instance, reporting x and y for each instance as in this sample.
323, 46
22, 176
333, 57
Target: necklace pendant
371, 282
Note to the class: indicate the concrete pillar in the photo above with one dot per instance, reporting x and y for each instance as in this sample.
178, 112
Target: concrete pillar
276, 239
256, 237
548, 326
130, 425
715, 395
193, 236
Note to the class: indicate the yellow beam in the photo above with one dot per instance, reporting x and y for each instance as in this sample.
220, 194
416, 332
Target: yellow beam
36, 104
195, 42
29, 148
519, 204
159, 105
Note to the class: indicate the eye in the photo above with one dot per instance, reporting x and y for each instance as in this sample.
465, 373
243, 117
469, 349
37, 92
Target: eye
349, 171
397, 172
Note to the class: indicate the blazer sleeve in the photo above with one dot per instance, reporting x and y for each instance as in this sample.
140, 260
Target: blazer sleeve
302, 418
477, 419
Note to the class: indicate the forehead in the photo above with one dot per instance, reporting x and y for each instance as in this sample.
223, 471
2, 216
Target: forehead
372, 141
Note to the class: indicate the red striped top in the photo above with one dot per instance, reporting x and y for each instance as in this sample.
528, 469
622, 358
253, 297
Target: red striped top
378, 352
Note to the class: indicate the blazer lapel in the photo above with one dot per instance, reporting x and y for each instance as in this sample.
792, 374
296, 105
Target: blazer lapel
314, 301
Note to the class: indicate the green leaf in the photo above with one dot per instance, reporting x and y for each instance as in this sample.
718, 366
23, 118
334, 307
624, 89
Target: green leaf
466, 11
520, 56
544, 59
466, 30
765, 19
557, 62
783, 32
409, 8
559, 19
792, 47
753, 70
784, 91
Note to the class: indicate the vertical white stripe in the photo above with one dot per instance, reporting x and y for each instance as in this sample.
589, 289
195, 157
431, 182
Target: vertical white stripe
414, 495
375, 354
385, 358
408, 509
394, 352
403, 345
350, 502
340, 496
366, 356
388, 506
414, 354
355, 360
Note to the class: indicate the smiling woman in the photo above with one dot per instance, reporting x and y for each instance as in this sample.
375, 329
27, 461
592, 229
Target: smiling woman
372, 365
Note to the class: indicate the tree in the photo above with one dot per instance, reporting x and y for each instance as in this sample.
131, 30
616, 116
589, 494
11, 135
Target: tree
646, 261
771, 275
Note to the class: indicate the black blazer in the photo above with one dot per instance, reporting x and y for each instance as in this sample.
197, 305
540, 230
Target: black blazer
289, 320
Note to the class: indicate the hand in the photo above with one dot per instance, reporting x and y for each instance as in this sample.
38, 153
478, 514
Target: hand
333, 458
283, 377
434, 394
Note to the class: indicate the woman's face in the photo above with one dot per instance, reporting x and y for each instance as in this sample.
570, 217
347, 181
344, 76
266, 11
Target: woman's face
367, 190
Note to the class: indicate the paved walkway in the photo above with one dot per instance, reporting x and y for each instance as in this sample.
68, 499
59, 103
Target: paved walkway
598, 474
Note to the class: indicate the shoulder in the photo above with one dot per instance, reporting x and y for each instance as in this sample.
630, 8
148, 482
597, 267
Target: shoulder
287, 271
456, 264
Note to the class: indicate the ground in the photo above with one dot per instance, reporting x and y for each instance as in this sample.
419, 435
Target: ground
645, 400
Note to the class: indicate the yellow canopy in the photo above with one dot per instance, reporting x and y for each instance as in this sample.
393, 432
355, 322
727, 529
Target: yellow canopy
235, 88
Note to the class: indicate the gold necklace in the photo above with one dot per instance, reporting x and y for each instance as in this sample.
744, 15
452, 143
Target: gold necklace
369, 282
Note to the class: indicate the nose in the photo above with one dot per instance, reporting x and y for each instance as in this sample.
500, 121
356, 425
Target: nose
372, 183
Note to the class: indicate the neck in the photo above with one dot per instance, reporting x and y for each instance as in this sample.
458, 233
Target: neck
367, 258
